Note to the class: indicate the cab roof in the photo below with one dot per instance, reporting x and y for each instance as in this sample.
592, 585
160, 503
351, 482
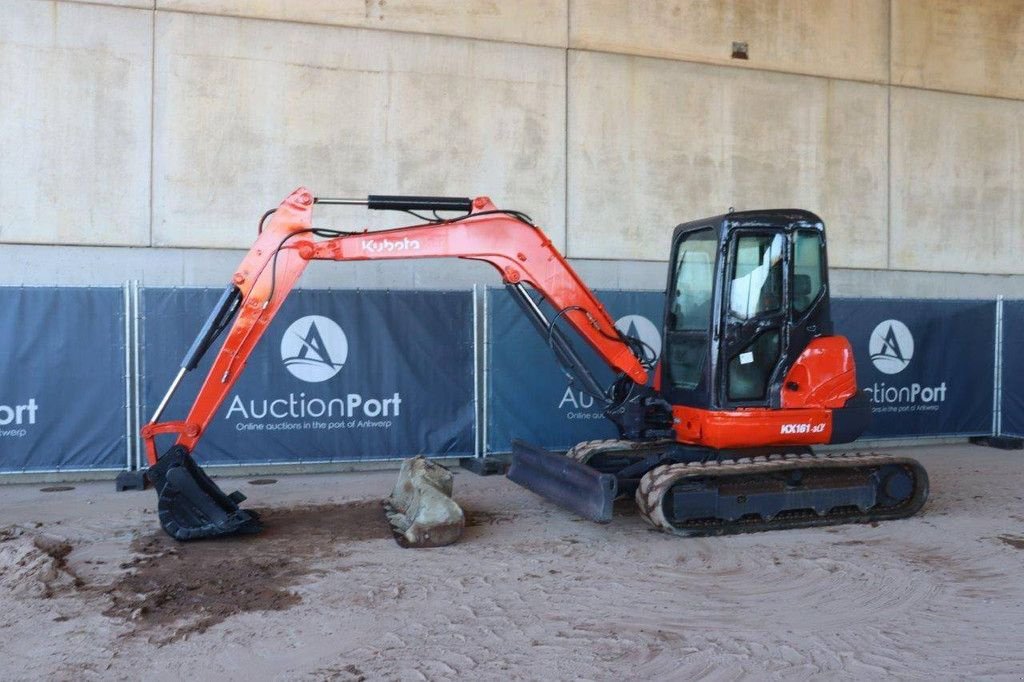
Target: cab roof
774, 217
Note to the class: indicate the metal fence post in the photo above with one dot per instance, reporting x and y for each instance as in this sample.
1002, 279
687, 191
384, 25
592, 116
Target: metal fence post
486, 352
477, 450
129, 440
997, 398
137, 340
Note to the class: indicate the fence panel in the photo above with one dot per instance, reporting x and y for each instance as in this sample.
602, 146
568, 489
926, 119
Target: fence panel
338, 375
927, 365
62, 379
528, 394
1013, 369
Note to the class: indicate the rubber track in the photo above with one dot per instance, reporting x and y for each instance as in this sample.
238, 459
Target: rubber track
656, 483
583, 452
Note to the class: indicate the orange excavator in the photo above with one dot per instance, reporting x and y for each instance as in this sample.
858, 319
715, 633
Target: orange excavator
750, 377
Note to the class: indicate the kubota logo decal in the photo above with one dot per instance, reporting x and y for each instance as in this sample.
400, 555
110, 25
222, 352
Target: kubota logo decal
314, 348
891, 347
641, 328
389, 245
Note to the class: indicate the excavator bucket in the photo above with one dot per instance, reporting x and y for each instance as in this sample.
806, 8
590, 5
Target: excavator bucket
191, 506
421, 510
564, 481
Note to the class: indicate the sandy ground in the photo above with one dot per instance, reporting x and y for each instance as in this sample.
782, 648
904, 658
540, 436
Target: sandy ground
89, 589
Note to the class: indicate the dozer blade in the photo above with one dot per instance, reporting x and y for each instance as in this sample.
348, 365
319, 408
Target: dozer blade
191, 506
564, 481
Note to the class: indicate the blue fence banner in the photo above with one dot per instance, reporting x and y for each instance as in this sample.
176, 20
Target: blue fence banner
1013, 369
338, 375
529, 396
927, 365
62, 379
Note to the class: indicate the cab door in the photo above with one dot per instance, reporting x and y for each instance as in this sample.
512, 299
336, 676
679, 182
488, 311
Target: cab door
686, 363
755, 315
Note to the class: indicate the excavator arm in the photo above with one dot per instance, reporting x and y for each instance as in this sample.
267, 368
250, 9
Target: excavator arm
191, 505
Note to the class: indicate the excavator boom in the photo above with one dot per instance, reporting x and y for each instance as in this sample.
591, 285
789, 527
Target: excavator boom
191, 505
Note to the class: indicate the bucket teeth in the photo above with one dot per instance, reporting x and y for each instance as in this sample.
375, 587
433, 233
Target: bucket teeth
191, 506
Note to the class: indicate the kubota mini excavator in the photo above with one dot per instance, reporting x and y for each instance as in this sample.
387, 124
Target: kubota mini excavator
750, 376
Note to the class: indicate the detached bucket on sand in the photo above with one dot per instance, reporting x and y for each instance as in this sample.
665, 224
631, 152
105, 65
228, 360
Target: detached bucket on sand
421, 510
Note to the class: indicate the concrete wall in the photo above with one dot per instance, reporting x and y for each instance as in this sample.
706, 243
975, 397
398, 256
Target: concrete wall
143, 138
75, 83
247, 110
795, 36
655, 142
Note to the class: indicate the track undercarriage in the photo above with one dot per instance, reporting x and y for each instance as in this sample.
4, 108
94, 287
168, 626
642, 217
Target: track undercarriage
697, 491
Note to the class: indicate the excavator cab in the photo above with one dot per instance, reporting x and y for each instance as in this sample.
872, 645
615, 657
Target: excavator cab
748, 327
746, 294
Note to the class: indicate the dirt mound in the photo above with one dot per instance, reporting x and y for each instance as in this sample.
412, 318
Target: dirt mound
35, 564
189, 587
1014, 541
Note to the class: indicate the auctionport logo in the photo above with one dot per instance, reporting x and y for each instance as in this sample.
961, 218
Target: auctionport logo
13, 418
314, 348
891, 347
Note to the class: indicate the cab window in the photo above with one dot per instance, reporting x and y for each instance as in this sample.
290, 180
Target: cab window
695, 282
808, 279
756, 286
690, 308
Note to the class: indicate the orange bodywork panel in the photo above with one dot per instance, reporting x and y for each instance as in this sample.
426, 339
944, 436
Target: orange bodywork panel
751, 427
822, 379
825, 375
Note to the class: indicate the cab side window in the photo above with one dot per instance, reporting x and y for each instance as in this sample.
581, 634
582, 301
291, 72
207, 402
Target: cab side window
756, 286
807, 269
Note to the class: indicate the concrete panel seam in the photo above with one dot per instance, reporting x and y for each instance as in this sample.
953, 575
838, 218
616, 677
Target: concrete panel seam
888, 176
723, 65
888, 149
839, 79
300, 22
565, 148
152, 114
958, 92
98, 3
